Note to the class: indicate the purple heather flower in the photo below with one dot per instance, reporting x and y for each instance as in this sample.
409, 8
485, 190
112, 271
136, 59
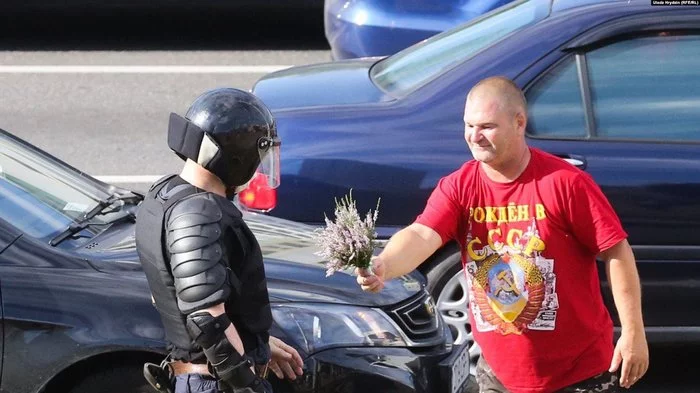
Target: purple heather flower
348, 241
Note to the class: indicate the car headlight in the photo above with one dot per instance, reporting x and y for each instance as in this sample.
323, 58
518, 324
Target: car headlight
321, 326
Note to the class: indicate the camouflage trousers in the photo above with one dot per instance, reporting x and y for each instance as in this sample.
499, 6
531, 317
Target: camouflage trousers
606, 382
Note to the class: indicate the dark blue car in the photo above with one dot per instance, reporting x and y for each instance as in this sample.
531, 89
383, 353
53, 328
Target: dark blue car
362, 28
613, 87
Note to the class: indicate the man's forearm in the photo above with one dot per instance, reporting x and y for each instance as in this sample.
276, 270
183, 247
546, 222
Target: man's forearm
406, 250
231, 333
624, 281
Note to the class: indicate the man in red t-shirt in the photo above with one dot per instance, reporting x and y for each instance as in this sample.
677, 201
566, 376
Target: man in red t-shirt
530, 227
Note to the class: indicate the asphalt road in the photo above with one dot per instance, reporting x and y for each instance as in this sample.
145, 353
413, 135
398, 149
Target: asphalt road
109, 117
112, 121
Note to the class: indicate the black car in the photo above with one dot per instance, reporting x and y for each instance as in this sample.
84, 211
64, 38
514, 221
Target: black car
77, 314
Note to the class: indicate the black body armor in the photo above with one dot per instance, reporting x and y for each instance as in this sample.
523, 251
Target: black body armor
197, 252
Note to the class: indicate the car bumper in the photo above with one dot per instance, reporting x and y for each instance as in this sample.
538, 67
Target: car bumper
349, 40
396, 370
359, 29
367, 28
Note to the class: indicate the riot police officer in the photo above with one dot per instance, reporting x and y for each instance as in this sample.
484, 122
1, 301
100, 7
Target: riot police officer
203, 264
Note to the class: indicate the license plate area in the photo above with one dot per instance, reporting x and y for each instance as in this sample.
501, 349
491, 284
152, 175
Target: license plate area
454, 369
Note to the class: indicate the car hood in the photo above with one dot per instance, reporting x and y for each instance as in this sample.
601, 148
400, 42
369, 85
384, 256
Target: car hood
294, 272
337, 83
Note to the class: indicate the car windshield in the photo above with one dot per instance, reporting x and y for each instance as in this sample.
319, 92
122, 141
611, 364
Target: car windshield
411, 68
38, 194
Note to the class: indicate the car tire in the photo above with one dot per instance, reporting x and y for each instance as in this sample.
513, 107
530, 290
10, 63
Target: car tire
447, 285
118, 379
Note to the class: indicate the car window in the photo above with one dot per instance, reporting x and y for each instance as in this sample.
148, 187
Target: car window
39, 196
647, 88
555, 104
409, 69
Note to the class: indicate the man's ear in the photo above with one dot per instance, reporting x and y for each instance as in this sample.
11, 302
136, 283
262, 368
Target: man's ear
520, 121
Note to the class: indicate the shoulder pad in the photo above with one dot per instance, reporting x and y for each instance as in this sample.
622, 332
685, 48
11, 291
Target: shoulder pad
160, 181
200, 208
194, 242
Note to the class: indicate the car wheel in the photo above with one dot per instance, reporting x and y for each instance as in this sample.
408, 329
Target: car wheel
119, 379
448, 286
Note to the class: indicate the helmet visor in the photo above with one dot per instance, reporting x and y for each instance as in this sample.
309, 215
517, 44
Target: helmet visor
270, 163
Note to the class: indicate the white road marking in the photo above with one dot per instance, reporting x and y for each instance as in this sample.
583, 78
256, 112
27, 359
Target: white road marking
128, 179
137, 69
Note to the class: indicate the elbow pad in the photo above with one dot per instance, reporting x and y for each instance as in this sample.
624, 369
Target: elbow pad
232, 369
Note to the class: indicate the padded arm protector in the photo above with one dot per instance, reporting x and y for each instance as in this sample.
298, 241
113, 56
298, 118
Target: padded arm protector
232, 369
194, 237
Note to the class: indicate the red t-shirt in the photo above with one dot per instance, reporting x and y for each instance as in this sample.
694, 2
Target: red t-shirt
529, 250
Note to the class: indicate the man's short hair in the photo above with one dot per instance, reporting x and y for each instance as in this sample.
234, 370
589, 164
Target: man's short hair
503, 88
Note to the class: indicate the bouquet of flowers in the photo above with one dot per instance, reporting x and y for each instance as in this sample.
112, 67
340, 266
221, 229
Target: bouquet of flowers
348, 241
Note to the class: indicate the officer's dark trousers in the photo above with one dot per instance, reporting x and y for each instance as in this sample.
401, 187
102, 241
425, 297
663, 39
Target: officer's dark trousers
195, 383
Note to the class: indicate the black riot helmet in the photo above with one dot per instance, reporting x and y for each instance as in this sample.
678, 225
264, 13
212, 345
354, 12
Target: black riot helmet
229, 132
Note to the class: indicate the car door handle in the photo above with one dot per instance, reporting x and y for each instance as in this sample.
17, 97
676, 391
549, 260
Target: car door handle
575, 160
